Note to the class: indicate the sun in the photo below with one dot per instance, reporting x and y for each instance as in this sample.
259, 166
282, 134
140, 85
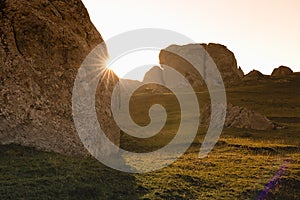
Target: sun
134, 65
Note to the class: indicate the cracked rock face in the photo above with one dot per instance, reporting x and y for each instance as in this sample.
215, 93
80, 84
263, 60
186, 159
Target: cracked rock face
42, 45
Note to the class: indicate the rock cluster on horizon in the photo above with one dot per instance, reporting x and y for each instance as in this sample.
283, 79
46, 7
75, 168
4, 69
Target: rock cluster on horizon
222, 57
232, 75
43, 43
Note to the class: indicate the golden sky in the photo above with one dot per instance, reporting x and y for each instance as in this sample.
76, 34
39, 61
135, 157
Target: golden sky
263, 34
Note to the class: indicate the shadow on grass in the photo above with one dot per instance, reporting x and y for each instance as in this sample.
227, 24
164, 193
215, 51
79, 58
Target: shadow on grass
30, 174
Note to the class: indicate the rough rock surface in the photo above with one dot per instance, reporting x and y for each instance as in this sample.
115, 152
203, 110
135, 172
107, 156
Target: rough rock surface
240, 117
282, 71
253, 75
225, 61
223, 58
240, 72
42, 45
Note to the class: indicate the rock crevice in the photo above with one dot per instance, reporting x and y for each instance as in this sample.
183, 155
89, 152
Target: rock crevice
15, 37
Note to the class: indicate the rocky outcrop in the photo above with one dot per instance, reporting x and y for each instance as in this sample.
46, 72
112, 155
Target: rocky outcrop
155, 74
240, 117
281, 71
223, 58
42, 45
253, 75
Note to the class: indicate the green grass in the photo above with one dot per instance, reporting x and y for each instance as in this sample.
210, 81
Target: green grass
240, 165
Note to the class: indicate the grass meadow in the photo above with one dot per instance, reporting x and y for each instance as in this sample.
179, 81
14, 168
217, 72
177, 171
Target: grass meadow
244, 164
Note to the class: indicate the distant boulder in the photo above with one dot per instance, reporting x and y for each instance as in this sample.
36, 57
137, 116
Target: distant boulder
253, 75
155, 74
282, 71
127, 86
239, 117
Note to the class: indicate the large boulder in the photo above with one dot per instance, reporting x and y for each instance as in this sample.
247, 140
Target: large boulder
282, 71
239, 117
223, 58
42, 45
